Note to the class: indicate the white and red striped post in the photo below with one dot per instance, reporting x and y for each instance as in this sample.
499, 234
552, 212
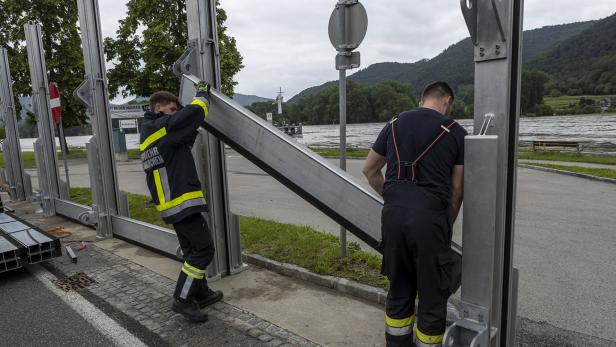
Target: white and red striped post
56, 114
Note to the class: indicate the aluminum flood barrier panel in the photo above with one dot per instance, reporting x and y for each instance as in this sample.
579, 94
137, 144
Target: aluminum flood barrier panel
37, 245
333, 191
11, 254
16, 177
324, 185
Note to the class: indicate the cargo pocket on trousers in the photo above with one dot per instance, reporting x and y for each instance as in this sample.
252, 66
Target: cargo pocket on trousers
446, 264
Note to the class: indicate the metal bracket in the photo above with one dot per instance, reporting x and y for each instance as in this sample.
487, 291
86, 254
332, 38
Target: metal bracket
488, 122
89, 217
469, 11
188, 62
348, 60
500, 9
83, 93
491, 41
472, 330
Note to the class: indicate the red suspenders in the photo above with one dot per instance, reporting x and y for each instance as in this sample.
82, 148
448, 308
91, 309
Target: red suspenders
414, 163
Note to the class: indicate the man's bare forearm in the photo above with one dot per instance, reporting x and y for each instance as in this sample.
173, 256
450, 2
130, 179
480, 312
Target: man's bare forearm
376, 181
456, 203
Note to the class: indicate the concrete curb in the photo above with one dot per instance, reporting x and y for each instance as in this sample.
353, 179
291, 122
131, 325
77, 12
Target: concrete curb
569, 173
369, 293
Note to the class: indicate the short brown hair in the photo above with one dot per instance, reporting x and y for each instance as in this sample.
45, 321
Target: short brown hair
437, 89
164, 98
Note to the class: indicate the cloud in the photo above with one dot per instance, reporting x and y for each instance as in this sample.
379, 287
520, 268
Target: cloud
285, 43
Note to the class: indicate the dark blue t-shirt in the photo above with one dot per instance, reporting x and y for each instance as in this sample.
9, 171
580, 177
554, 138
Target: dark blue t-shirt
415, 130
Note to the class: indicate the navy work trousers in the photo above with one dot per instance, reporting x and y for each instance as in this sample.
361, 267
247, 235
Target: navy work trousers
418, 261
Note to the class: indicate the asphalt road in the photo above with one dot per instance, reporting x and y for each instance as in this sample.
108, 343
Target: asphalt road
565, 236
32, 315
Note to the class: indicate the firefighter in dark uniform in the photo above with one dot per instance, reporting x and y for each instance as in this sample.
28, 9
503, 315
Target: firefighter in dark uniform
422, 190
167, 135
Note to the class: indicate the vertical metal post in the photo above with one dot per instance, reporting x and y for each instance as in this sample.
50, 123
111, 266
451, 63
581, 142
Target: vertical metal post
12, 156
208, 150
64, 148
40, 101
496, 31
343, 106
94, 95
347, 27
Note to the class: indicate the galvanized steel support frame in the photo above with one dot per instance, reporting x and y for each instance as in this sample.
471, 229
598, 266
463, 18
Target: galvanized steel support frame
489, 290
47, 163
204, 62
94, 95
20, 187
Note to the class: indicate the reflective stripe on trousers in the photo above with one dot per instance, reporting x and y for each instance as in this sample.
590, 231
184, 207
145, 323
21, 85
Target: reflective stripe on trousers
399, 327
428, 340
193, 271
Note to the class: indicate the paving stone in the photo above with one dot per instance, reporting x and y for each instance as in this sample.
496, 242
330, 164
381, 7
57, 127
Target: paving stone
147, 297
254, 332
265, 338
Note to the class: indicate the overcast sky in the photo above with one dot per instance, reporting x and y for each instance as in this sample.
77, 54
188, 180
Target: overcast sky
285, 43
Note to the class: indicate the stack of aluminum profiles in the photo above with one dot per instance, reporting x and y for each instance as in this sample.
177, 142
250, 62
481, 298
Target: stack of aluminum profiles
11, 254
38, 245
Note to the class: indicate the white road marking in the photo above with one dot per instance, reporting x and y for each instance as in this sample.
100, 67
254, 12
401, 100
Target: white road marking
98, 319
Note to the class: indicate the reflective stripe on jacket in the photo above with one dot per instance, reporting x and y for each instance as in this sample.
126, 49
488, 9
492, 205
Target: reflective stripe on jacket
166, 157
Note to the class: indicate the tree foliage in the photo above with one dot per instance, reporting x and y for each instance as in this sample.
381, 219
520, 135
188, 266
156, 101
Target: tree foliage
455, 64
62, 46
150, 39
533, 89
584, 64
377, 103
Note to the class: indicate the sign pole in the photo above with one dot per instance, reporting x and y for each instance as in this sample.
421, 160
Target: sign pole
342, 92
64, 147
348, 25
56, 112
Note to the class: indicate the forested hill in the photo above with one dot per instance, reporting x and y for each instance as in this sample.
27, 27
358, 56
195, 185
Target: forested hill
244, 100
583, 64
455, 64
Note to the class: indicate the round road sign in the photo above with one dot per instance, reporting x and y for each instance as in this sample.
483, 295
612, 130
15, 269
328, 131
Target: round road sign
348, 25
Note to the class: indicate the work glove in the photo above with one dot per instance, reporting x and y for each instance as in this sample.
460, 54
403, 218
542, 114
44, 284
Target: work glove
203, 96
203, 91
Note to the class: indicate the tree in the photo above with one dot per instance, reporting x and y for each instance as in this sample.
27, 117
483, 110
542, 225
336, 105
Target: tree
377, 103
150, 39
533, 89
62, 46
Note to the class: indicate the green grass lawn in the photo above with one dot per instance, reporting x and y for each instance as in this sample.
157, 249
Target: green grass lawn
30, 163
560, 102
605, 173
335, 152
570, 157
361, 153
299, 245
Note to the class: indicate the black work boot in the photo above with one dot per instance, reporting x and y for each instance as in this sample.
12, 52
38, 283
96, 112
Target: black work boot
190, 310
206, 297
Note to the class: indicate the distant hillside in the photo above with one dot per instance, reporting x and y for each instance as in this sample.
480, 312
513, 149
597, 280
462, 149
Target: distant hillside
246, 100
584, 64
455, 64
